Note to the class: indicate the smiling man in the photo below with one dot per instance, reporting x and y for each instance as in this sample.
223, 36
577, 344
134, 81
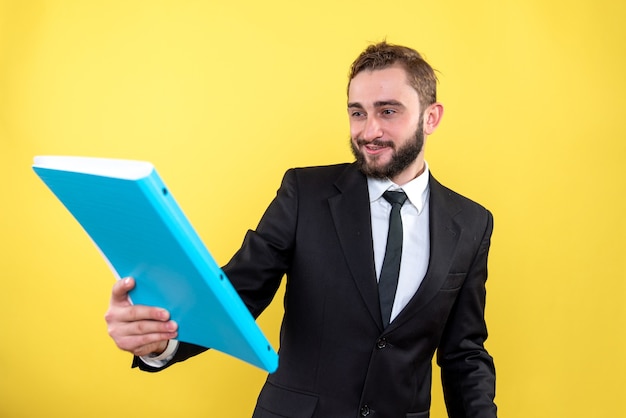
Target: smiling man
387, 123
384, 267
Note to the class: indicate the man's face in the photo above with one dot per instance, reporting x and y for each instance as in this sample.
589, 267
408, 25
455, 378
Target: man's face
386, 125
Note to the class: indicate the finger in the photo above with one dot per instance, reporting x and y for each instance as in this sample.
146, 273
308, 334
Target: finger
141, 313
134, 346
121, 329
139, 342
157, 347
119, 293
134, 313
130, 335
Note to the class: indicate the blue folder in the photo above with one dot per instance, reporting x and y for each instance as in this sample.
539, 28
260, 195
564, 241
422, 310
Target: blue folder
133, 219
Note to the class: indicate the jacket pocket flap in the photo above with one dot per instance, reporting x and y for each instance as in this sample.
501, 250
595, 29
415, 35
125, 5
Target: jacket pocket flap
286, 402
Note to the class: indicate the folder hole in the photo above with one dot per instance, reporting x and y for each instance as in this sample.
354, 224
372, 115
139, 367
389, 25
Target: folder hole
221, 277
164, 191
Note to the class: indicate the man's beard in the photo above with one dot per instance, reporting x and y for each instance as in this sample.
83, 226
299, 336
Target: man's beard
400, 160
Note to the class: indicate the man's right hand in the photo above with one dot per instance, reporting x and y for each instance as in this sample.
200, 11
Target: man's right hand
140, 330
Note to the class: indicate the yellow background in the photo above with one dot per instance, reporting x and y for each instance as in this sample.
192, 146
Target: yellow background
223, 97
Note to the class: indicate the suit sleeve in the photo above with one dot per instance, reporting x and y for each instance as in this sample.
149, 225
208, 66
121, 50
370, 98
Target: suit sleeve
467, 369
258, 267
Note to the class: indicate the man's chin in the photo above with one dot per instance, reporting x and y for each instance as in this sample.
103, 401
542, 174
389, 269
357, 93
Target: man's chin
375, 166
377, 171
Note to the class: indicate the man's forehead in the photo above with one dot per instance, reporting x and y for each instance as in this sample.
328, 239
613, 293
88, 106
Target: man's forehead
381, 85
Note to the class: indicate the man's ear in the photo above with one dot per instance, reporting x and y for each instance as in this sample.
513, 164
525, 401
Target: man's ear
432, 117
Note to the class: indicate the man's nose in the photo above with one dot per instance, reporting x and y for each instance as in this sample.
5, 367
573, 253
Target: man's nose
372, 129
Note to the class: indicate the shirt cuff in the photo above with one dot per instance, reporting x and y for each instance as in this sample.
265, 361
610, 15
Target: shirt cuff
162, 359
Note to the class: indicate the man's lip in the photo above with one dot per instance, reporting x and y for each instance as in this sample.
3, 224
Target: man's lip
375, 149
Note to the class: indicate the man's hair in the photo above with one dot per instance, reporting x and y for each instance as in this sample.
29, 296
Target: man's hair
420, 74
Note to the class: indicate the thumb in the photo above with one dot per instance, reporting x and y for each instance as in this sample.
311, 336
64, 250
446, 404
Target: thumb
119, 294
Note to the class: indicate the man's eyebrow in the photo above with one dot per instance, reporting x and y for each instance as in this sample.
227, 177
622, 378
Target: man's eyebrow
383, 103
355, 105
380, 103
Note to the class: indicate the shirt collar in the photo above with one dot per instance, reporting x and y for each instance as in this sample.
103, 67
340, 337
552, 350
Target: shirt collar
416, 190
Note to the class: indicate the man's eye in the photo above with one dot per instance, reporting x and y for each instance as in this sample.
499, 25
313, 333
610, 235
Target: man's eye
388, 112
356, 114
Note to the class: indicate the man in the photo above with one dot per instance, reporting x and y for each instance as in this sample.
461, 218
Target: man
347, 348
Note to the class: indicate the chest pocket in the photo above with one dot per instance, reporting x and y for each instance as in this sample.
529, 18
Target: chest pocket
454, 281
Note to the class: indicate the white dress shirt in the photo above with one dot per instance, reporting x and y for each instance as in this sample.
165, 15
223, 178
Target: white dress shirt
415, 237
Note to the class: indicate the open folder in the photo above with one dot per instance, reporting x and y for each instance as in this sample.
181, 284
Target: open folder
133, 219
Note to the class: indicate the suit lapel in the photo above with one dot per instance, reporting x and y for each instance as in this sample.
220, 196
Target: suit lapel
444, 237
350, 210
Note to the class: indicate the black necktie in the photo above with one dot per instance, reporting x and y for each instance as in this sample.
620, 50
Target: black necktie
388, 281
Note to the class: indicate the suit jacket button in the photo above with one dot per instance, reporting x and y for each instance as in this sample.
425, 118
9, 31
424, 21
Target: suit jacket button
381, 343
365, 410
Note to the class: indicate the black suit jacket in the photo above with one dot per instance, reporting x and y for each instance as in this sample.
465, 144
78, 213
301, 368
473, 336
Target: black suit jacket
336, 360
